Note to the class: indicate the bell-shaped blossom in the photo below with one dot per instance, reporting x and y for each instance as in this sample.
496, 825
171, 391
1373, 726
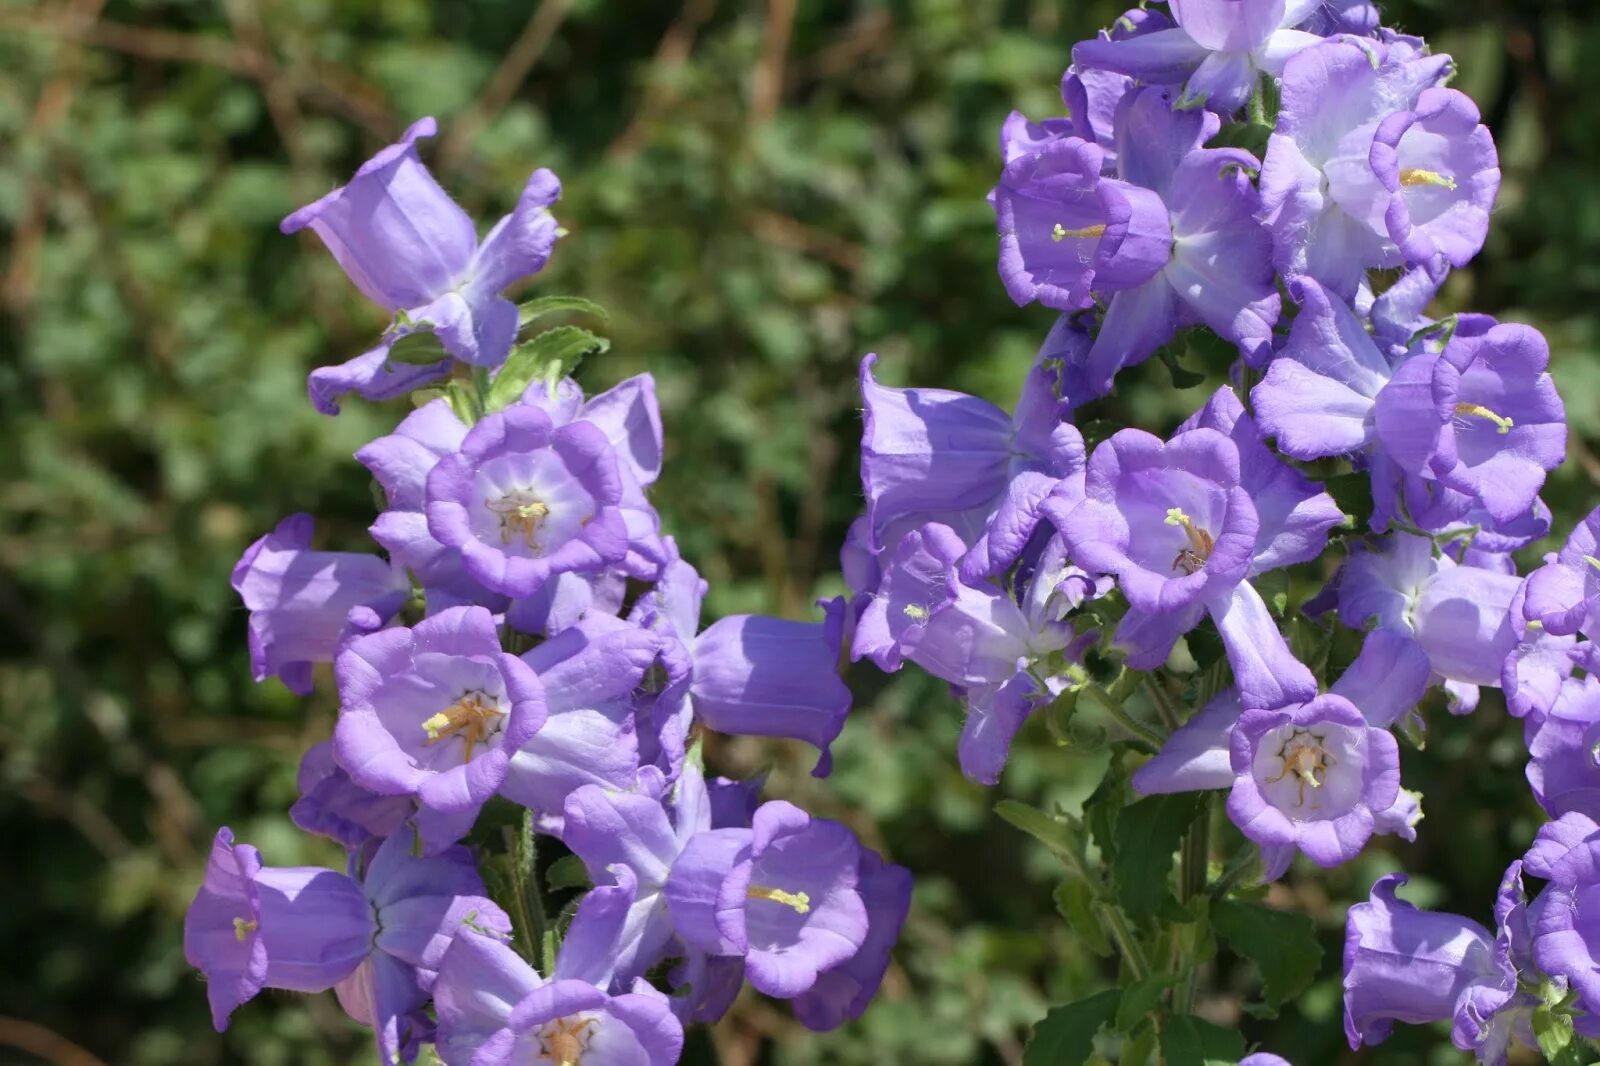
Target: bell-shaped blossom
1065, 229
1218, 50
378, 940
300, 600
1313, 777
1482, 417
1006, 655
496, 1010
1091, 94
1176, 525
782, 895
592, 674
435, 712
1564, 593
932, 455
411, 250
1335, 96
1218, 271
756, 675
522, 501
1566, 920
332, 805
1418, 967
1562, 767
842, 993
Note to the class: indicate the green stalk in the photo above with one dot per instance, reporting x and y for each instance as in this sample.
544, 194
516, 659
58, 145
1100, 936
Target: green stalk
1193, 869
1116, 924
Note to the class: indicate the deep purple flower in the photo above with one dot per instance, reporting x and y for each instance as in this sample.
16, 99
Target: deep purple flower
771, 677
1335, 95
523, 501
932, 455
411, 250
1403, 964
435, 712
300, 600
843, 992
1563, 768
380, 940
591, 674
1218, 50
1313, 777
1064, 229
783, 895
496, 1010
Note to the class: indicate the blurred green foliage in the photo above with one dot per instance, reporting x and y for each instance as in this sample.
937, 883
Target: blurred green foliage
760, 192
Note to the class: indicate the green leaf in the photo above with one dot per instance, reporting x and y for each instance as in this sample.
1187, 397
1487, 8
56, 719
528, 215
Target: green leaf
567, 872
1283, 946
417, 349
1190, 1041
1074, 902
1181, 378
1140, 997
1353, 494
1065, 1036
544, 306
1064, 836
464, 401
549, 357
1553, 1030
1140, 1048
1147, 834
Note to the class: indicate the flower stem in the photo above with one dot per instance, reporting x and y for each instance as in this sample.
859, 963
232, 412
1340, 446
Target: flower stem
1193, 869
1117, 924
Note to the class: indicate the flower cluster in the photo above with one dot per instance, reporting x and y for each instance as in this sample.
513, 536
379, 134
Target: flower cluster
529, 633
1299, 181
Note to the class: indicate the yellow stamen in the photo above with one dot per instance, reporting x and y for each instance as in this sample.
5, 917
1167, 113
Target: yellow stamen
242, 929
1086, 233
1477, 410
564, 1041
915, 612
470, 716
1592, 561
1427, 177
1304, 757
521, 513
800, 901
1193, 557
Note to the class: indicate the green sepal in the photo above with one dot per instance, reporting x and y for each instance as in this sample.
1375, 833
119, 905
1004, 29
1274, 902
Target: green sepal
464, 401
417, 349
1065, 1036
548, 357
1560, 1046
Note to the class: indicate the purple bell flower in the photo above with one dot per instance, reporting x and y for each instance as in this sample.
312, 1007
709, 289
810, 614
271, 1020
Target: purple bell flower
496, 1010
591, 675
1218, 50
1564, 593
435, 712
842, 993
771, 677
1562, 765
411, 250
332, 805
1335, 95
1313, 777
523, 501
300, 600
783, 895
1566, 923
932, 455
379, 941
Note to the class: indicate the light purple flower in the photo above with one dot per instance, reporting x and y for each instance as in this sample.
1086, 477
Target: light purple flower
496, 1010
522, 501
411, 250
334, 806
1564, 593
1218, 50
932, 455
435, 712
843, 992
379, 941
1313, 777
783, 895
1335, 95
771, 677
300, 600
1563, 768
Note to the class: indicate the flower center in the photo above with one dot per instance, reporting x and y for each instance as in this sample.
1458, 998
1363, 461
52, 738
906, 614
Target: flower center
1061, 233
521, 513
473, 716
1427, 177
1304, 757
1192, 557
243, 928
800, 901
1477, 410
565, 1040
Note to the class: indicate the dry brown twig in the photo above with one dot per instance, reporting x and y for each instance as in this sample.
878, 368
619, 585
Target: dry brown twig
673, 51
513, 70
